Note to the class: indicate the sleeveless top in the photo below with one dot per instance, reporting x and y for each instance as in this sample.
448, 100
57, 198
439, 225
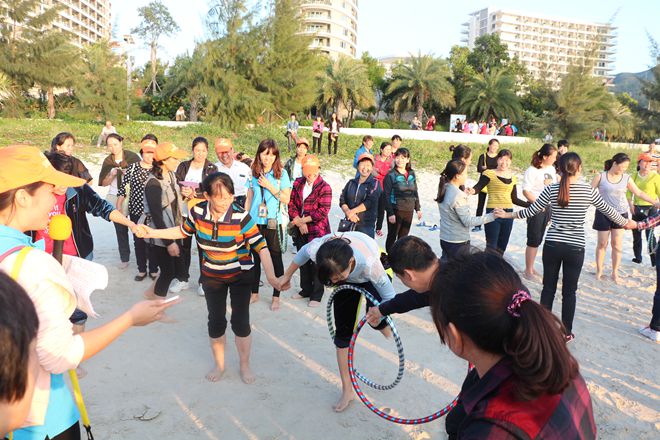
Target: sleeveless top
614, 194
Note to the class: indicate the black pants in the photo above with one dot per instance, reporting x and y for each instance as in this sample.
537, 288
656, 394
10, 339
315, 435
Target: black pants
182, 263
655, 317
481, 202
310, 285
536, 228
142, 252
215, 293
569, 258
642, 213
399, 229
451, 251
167, 265
273, 242
122, 242
381, 212
345, 307
316, 143
330, 142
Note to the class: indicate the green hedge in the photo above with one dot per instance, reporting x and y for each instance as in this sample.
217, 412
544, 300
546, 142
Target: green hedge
382, 124
360, 123
306, 122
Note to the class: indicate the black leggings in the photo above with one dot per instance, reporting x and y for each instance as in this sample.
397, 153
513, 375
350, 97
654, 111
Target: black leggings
345, 307
215, 292
381, 212
167, 265
481, 202
568, 258
142, 254
273, 242
399, 229
183, 261
330, 141
316, 144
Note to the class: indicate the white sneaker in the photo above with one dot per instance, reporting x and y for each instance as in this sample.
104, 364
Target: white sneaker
200, 290
648, 332
177, 286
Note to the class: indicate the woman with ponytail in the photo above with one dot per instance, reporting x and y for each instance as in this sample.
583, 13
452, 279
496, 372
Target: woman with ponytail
565, 242
612, 184
525, 383
455, 218
540, 174
461, 152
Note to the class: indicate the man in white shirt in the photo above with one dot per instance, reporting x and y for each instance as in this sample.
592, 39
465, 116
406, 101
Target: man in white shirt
239, 172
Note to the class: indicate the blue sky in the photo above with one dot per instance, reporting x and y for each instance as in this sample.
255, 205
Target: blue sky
396, 27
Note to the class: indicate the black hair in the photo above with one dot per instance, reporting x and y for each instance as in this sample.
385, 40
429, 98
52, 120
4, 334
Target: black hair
492, 141
562, 143
453, 168
411, 253
61, 162
460, 151
618, 158
59, 140
150, 137
385, 144
545, 151
214, 181
157, 169
114, 136
332, 258
405, 153
396, 137
473, 292
292, 114
19, 324
505, 153
569, 166
199, 140
366, 139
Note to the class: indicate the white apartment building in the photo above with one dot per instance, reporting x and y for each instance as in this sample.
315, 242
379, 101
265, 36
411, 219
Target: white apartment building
333, 25
546, 45
87, 20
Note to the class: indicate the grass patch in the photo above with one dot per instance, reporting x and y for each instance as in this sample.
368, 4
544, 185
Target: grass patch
427, 155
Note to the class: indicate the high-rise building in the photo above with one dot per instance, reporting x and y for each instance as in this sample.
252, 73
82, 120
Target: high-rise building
547, 46
333, 25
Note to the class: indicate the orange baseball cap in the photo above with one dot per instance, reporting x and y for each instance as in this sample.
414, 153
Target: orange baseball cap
646, 157
223, 145
364, 156
22, 165
148, 146
302, 141
310, 163
167, 150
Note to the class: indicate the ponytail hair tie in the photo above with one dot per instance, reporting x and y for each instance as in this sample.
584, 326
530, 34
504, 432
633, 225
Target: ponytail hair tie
516, 301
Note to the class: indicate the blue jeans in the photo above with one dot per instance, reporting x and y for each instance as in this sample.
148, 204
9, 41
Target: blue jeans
498, 232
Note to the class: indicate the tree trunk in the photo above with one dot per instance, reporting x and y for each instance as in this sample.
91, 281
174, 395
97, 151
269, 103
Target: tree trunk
154, 68
51, 102
194, 104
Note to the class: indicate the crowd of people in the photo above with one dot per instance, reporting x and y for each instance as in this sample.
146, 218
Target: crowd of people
243, 217
490, 128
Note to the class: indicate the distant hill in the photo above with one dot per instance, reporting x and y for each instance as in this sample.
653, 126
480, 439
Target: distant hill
630, 83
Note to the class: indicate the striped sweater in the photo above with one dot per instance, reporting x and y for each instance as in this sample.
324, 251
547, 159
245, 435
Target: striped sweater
567, 225
225, 244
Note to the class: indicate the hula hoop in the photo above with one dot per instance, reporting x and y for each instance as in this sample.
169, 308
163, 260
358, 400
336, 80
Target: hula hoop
371, 406
395, 333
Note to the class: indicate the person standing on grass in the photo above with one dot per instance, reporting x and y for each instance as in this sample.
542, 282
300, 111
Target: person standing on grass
334, 127
311, 199
612, 184
486, 161
239, 172
317, 134
367, 145
562, 148
383, 163
540, 174
132, 186
401, 198
565, 240
268, 195
648, 182
292, 131
189, 176
113, 169
396, 142
293, 166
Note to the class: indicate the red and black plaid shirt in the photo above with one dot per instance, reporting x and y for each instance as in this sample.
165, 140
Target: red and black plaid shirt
316, 205
491, 410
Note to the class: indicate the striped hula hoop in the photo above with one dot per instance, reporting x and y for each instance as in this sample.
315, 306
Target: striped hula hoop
395, 333
377, 411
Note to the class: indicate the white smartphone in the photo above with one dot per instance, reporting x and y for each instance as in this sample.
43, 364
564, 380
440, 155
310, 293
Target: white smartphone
169, 300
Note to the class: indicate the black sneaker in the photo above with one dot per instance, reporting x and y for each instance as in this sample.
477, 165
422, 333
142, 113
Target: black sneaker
637, 260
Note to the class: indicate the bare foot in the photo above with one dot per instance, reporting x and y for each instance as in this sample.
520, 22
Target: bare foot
254, 298
532, 277
297, 296
616, 279
247, 376
215, 374
343, 402
81, 372
314, 304
599, 276
275, 305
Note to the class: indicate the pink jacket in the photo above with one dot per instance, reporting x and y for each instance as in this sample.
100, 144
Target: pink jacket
317, 126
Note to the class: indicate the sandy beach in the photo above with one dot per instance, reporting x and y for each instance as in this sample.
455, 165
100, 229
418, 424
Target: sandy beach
150, 383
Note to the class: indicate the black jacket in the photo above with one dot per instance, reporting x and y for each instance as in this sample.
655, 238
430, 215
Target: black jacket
182, 170
109, 163
368, 193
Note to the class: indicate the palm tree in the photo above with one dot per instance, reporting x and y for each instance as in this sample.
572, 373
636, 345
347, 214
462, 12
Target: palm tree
420, 81
491, 93
344, 82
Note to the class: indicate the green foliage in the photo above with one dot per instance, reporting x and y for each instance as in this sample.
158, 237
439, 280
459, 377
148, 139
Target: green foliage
101, 83
421, 81
360, 123
344, 82
488, 53
381, 124
491, 93
182, 85
306, 123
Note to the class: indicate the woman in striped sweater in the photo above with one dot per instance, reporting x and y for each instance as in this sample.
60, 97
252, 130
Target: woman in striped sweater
565, 241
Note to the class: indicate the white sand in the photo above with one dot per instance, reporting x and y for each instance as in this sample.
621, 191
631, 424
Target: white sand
158, 372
